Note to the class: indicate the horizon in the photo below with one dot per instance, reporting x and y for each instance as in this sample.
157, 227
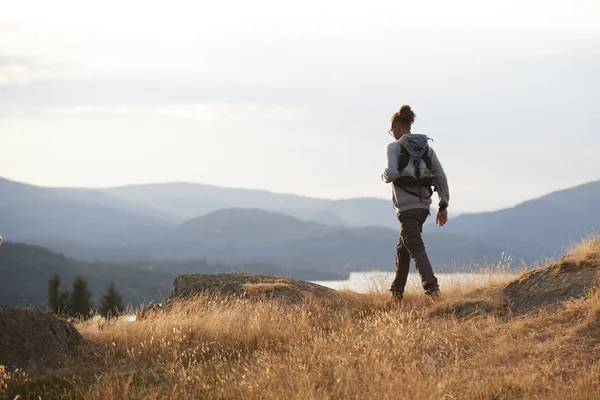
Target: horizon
296, 99
285, 193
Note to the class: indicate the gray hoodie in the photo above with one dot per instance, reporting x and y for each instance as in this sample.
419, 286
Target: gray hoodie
403, 200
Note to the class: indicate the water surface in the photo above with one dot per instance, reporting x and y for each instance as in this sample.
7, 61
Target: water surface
364, 282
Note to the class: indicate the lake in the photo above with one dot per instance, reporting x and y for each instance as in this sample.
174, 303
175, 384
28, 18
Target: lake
364, 282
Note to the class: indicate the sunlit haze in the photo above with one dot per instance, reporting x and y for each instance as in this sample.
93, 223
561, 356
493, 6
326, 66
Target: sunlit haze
297, 97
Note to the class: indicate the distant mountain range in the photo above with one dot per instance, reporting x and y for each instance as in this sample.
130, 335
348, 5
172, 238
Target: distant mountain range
239, 235
550, 222
26, 269
183, 222
190, 200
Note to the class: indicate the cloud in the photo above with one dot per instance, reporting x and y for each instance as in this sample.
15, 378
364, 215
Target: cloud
91, 109
204, 112
218, 111
16, 70
15, 75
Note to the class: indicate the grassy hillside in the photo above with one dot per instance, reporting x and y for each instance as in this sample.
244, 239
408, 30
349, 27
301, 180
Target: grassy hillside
360, 349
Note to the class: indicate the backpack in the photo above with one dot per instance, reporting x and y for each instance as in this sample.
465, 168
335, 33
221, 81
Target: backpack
414, 166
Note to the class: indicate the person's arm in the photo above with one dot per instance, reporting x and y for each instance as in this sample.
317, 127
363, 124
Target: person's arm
440, 182
391, 173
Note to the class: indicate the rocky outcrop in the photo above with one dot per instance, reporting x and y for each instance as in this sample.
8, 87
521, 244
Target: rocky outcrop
31, 337
574, 277
546, 288
249, 286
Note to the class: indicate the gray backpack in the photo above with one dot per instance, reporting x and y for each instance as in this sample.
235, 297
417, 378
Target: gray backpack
414, 165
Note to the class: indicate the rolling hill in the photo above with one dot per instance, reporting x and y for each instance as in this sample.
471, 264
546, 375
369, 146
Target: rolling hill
249, 236
551, 221
72, 217
189, 200
138, 223
26, 269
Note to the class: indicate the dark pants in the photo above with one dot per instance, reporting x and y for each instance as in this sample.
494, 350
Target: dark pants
411, 246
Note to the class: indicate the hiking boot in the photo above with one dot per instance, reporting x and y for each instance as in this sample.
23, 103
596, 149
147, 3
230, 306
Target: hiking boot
395, 297
434, 294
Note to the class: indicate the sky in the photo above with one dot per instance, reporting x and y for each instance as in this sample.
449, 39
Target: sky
296, 97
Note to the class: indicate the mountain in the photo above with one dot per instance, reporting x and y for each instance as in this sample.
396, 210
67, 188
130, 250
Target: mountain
258, 236
327, 218
95, 196
19, 193
242, 227
549, 222
189, 200
72, 217
26, 269
122, 225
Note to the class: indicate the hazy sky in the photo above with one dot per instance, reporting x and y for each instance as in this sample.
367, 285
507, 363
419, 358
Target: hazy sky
296, 97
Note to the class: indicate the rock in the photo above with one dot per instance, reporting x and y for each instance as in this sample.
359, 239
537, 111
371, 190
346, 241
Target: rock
249, 286
31, 337
471, 308
574, 277
545, 288
476, 304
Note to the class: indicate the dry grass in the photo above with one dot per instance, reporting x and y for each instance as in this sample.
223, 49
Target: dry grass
254, 289
587, 250
214, 348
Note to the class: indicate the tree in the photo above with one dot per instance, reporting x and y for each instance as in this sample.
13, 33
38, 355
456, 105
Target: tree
111, 301
58, 297
80, 303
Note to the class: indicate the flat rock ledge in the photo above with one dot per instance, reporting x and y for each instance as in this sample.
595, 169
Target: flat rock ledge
250, 286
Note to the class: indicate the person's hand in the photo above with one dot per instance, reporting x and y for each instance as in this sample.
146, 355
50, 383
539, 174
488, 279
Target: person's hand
441, 218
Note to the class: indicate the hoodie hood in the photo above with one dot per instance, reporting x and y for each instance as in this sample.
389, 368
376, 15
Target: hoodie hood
415, 144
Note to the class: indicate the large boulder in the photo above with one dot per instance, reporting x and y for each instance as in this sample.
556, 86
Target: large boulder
574, 277
249, 286
546, 288
31, 337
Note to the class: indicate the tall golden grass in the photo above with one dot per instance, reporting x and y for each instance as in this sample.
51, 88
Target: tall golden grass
363, 348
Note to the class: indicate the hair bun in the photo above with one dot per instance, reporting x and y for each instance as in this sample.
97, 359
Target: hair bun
405, 116
406, 112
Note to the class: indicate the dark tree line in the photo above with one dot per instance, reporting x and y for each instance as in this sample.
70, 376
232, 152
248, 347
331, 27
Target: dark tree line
77, 302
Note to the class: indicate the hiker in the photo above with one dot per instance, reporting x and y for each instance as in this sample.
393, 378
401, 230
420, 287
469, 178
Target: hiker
413, 168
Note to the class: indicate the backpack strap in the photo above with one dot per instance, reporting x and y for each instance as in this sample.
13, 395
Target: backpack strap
419, 195
427, 159
403, 158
